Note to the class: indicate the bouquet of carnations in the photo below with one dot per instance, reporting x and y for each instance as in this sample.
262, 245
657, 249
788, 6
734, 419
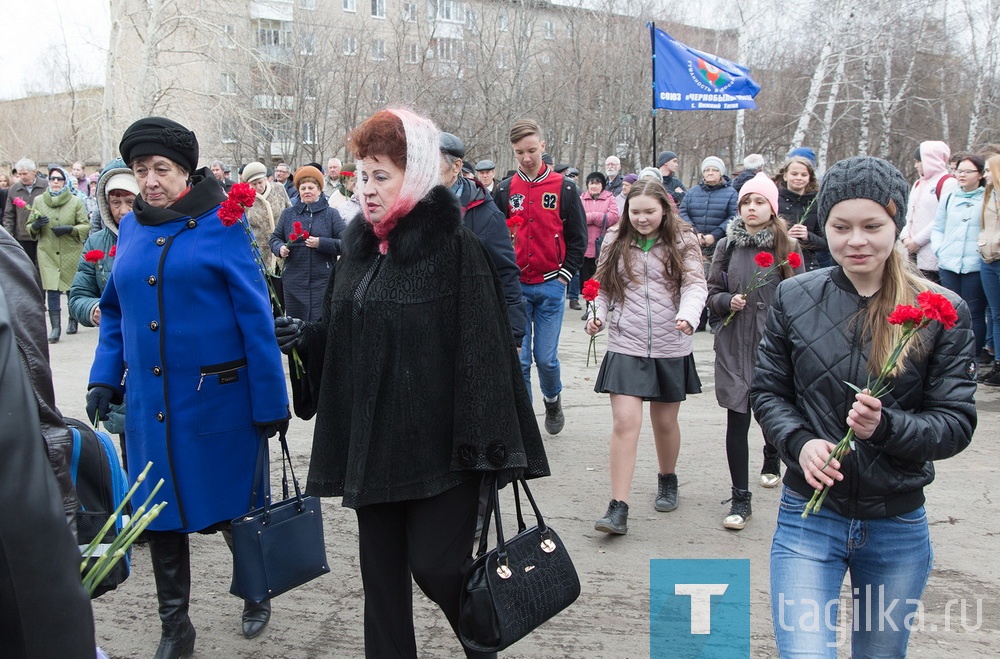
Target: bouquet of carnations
765, 260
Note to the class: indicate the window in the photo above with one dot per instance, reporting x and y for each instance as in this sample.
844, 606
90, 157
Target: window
228, 37
445, 10
409, 12
379, 97
446, 50
307, 45
273, 33
350, 45
471, 20
378, 49
307, 4
227, 132
569, 30
503, 23
550, 29
350, 5
228, 83
378, 8
308, 134
412, 53
309, 88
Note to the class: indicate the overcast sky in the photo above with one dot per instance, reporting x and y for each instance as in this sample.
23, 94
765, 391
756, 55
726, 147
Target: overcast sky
36, 31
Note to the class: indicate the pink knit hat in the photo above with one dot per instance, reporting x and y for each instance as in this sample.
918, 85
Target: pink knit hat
763, 185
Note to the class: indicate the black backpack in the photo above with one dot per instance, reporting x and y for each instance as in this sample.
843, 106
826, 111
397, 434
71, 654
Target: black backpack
101, 485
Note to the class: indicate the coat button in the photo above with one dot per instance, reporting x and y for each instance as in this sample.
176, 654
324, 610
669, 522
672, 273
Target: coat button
157, 370
192, 224
151, 280
154, 326
160, 416
161, 241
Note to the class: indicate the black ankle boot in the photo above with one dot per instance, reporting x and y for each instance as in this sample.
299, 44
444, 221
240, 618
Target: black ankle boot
666, 493
739, 511
171, 559
615, 520
255, 616
71, 325
56, 322
554, 417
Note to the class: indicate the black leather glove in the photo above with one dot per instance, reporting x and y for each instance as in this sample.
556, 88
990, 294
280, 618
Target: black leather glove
39, 222
272, 429
506, 476
62, 230
99, 400
289, 332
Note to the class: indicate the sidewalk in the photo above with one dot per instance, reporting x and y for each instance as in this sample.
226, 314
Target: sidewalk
611, 619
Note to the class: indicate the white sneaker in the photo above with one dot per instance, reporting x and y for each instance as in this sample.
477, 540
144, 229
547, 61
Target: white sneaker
769, 480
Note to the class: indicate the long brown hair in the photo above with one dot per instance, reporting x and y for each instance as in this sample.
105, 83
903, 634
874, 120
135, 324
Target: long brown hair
615, 280
993, 163
783, 243
811, 186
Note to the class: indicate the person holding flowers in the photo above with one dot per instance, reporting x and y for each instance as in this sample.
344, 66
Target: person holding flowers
309, 259
186, 333
756, 254
652, 291
797, 190
269, 203
871, 352
59, 223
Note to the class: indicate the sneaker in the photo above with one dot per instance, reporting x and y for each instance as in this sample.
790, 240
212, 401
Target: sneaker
991, 378
770, 473
739, 511
554, 417
666, 493
575, 305
615, 521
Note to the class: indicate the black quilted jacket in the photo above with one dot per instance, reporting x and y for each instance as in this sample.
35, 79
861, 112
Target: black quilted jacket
811, 347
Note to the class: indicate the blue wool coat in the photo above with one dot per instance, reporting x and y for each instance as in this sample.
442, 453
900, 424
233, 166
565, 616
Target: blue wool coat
187, 332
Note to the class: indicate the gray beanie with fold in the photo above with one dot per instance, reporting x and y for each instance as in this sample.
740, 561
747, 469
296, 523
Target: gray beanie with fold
864, 177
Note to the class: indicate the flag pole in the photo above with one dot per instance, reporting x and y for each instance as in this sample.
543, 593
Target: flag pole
652, 43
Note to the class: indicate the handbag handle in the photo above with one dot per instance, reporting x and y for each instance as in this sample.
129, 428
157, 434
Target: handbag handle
493, 507
262, 476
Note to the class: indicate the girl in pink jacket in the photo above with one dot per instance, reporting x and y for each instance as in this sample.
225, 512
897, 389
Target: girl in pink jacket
652, 292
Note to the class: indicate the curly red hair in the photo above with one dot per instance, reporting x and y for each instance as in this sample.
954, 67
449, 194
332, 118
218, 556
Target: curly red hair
381, 134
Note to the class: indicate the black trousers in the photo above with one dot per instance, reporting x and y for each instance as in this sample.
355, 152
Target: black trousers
428, 539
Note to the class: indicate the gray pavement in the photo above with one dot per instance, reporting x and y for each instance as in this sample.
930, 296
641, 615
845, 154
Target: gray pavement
611, 618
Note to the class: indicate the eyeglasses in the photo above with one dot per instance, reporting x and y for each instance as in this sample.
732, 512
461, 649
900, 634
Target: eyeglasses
56, 178
966, 171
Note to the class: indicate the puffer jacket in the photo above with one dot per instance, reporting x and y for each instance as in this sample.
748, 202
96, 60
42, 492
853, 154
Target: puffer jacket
708, 207
811, 348
643, 324
602, 213
956, 231
989, 236
924, 200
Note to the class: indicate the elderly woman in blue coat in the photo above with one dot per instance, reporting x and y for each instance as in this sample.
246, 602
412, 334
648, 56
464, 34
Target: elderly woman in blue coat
187, 333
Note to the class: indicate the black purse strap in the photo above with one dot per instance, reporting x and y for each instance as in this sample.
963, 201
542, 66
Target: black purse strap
262, 475
493, 508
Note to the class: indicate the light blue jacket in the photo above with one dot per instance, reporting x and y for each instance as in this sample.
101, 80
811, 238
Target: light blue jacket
956, 228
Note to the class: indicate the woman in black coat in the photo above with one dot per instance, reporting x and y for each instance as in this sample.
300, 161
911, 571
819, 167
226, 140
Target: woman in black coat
417, 384
308, 261
797, 190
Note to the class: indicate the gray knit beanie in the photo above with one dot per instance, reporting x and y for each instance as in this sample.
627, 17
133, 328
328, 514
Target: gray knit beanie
864, 177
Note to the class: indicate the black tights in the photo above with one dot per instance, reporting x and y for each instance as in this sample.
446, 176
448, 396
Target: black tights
737, 451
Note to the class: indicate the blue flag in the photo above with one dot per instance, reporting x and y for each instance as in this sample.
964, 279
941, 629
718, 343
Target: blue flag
688, 79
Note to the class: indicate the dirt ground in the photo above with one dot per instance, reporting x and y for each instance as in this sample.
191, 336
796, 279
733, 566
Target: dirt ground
323, 619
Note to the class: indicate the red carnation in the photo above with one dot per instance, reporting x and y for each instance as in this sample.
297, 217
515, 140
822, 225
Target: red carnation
93, 256
230, 212
906, 313
937, 307
764, 259
304, 234
20, 203
243, 194
514, 222
591, 288
114, 250
296, 227
794, 260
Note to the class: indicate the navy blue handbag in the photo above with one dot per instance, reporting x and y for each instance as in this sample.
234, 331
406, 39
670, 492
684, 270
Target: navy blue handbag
278, 547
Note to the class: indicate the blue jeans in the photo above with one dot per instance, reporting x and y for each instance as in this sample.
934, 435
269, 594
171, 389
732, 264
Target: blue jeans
544, 304
573, 290
889, 560
969, 286
989, 274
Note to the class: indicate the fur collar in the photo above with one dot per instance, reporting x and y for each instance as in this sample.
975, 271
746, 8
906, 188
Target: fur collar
738, 236
416, 236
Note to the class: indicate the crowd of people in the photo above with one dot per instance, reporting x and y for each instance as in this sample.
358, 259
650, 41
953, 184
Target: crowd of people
417, 290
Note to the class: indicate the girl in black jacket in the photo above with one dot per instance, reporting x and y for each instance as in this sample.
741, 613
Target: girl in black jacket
797, 191
825, 329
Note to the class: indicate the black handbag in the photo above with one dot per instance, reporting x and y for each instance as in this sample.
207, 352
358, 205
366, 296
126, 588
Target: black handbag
277, 547
515, 587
